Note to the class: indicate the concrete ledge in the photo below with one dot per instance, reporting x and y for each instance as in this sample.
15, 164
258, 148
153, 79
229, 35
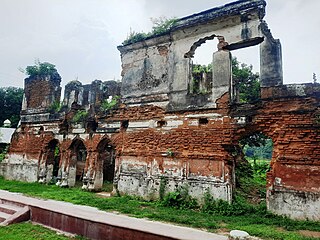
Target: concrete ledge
95, 224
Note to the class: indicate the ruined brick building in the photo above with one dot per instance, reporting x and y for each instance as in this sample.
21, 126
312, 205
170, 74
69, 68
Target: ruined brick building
163, 129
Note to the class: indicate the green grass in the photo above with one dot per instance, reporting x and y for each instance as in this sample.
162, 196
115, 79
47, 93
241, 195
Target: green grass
264, 225
29, 231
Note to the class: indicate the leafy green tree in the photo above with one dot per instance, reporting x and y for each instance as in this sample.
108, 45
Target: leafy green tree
246, 82
10, 104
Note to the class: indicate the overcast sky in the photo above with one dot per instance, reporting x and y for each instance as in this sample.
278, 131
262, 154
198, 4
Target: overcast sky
80, 36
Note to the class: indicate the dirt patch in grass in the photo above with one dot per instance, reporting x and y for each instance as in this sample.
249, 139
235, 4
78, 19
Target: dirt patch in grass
308, 233
223, 231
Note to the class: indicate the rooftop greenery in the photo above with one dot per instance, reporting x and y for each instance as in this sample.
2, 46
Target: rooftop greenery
40, 69
160, 25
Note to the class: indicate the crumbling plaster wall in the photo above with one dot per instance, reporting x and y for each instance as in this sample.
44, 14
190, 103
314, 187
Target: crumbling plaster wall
158, 69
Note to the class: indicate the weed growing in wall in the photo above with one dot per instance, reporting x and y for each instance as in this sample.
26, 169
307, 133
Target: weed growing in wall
55, 107
169, 152
110, 103
80, 116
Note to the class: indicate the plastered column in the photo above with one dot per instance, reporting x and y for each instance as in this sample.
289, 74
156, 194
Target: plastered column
221, 74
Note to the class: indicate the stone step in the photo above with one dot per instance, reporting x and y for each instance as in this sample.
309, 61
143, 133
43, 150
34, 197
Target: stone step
13, 212
4, 216
9, 208
12, 203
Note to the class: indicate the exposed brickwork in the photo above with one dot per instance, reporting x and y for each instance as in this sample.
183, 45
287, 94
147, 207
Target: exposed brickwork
49, 93
207, 149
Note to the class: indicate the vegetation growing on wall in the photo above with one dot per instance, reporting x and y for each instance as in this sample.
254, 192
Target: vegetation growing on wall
40, 69
110, 103
80, 116
180, 199
160, 26
55, 107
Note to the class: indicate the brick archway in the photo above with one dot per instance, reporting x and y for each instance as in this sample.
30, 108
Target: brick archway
105, 162
53, 156
78, 158
49, 161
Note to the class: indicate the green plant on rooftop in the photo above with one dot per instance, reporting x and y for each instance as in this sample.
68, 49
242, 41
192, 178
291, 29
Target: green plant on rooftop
160, 26
40, 69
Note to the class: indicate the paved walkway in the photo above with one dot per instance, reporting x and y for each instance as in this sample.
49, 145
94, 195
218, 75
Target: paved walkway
117, 220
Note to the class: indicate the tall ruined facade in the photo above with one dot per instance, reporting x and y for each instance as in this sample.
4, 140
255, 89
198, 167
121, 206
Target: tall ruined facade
164, 130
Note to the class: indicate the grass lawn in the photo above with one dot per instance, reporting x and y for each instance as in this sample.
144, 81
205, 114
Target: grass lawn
29, 231
257, 223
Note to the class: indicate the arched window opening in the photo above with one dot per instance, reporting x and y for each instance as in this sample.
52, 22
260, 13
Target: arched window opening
252, 164
106, 163
201, 67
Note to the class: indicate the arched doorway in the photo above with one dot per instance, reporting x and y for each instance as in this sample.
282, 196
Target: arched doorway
106, 161
77, 160
52, 159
